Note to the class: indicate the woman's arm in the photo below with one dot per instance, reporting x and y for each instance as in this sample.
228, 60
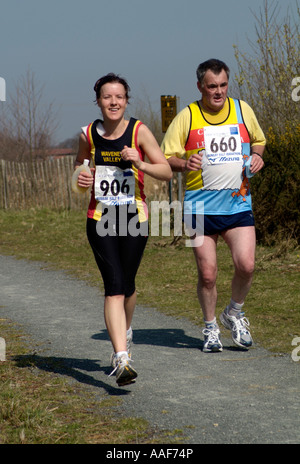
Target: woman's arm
158, 167
83, 151
84, 179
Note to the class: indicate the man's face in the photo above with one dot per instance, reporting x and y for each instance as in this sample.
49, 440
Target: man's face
214, 88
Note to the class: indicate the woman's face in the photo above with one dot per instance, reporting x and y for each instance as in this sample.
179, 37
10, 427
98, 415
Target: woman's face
112, 100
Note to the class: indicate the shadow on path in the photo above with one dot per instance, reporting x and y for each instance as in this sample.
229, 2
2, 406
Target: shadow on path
82, 370
169, 338
172, 338
71, 367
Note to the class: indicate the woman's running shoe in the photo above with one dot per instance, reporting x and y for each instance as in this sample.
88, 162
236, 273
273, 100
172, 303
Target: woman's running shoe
125, 374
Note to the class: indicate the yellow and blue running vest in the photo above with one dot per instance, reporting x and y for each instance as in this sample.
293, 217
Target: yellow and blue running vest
221, 184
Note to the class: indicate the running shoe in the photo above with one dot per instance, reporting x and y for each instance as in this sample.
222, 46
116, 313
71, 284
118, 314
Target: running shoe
125, 374
212, 342
239, 328
129, 345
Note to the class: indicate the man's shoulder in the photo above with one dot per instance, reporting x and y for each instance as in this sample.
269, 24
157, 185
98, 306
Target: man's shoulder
182, 116
186, 110
241, 102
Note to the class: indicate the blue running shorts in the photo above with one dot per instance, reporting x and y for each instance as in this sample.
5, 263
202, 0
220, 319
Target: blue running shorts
216, 224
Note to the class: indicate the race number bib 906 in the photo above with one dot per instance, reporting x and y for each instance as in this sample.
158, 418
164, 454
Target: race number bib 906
223, 144
114, 186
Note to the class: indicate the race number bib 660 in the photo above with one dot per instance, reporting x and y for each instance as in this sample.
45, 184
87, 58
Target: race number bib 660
223, 144
114, 186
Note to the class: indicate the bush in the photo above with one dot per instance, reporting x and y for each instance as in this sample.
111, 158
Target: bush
276, 194
264, 81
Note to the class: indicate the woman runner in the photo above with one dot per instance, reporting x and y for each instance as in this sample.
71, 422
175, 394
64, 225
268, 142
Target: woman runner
117, 219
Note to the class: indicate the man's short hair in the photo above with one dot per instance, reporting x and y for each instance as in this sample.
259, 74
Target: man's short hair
214, 65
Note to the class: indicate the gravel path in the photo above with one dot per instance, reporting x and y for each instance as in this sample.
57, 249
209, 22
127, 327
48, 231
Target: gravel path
229, 397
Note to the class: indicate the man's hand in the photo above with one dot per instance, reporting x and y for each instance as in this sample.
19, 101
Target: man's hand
194, 163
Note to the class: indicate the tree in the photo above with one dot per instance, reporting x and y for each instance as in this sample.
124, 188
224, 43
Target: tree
265, 77
265, 80
26, 124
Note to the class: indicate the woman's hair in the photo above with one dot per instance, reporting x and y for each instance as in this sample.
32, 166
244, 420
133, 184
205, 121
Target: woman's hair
111, 77
216, 66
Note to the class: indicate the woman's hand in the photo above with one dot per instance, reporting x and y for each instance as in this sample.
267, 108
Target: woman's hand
131, 154
157, 167
85, 179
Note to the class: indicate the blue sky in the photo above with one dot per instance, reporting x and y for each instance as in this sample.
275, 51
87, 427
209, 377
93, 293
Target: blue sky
156, 45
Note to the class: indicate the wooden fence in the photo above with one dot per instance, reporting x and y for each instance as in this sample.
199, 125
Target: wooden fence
47, 184
39, 184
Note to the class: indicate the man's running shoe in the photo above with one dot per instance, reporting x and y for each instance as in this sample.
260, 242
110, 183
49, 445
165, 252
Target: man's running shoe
212, 342
129, 345
125, 374
239, 328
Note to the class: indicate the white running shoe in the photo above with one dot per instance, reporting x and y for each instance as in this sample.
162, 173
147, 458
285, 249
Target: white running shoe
212, 342
239, 328
129, 346
125, 374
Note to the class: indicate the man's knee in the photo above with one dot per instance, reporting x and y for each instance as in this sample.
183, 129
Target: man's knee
207, 277
246, 268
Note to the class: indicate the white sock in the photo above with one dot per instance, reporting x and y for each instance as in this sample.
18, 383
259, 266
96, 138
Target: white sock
234, 308
120, 353
210, 323
129, 331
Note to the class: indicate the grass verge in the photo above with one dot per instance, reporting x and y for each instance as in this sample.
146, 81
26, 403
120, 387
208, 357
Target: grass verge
39, 407
167, 277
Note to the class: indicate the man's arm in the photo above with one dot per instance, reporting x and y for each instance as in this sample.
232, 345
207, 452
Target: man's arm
257, 162
177, 164
257, 137
173, 144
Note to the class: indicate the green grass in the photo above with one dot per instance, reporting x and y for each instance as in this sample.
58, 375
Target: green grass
167, 276
37, 407
166, 280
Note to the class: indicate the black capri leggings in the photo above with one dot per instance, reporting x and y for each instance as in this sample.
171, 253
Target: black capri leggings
118, 259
